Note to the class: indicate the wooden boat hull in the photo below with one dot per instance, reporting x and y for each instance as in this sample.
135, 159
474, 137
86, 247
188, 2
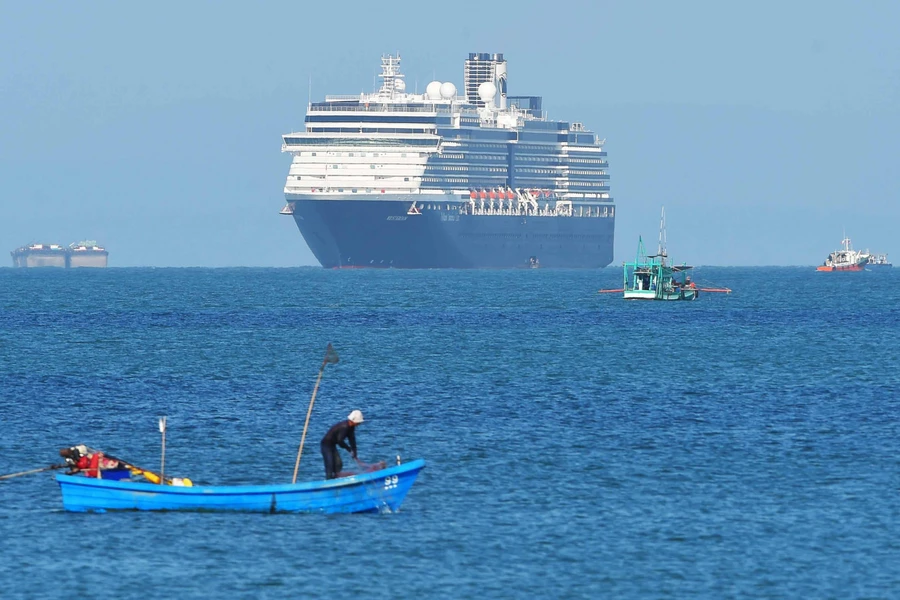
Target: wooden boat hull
377, 491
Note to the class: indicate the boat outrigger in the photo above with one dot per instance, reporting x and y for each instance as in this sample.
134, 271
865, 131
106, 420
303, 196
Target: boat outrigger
652, 277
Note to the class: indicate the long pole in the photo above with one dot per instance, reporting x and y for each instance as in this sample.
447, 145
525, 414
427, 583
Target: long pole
11, 475
330, 356
306, 424
162, 465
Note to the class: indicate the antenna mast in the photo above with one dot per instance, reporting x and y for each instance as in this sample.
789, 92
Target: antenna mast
391, 78
661, 251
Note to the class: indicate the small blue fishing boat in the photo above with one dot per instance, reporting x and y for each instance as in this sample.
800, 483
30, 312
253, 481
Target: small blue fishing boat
373, 491
106, 483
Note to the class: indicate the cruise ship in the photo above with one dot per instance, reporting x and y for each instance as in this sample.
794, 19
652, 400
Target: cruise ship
448, 178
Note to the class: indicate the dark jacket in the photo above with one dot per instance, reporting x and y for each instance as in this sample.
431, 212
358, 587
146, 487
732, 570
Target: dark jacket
339, 435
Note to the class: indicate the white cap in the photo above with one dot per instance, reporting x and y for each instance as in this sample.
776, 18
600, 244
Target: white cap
355, 416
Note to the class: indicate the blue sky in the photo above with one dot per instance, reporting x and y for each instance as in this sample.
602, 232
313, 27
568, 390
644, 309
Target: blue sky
767, 129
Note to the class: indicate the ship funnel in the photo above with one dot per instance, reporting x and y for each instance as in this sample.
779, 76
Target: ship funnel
500, 82
482, 67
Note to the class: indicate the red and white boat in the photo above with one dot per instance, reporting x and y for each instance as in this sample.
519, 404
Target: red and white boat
847, 259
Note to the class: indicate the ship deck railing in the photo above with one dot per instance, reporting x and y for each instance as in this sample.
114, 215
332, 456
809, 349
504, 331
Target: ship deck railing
468, 209
378, 107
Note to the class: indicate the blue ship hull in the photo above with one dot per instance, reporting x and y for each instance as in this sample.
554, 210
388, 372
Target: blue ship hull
381, 233
378, 491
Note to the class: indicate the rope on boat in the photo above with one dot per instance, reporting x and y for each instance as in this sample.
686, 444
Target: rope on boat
709, 286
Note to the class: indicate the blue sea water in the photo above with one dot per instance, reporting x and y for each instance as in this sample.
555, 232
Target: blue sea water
577, 445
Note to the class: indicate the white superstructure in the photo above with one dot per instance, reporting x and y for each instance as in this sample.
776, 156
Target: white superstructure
442, 142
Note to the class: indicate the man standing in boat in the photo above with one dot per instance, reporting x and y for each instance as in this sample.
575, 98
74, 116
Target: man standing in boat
341, 434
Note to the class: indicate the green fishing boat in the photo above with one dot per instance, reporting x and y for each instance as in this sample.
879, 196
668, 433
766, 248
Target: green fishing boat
652, 277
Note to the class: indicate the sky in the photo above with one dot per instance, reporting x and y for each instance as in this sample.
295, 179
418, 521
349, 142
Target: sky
768, 130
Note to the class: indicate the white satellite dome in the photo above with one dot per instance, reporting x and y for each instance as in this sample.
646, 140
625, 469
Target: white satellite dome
433, 90
486, 91
399, 85
448, 90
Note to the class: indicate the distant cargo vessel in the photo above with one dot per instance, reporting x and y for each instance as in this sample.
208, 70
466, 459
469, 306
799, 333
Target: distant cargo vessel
878, 261
80, 254
448, 178
40, 255
87, 254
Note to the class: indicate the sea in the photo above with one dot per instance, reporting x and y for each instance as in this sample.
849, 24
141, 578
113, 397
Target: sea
577, 445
